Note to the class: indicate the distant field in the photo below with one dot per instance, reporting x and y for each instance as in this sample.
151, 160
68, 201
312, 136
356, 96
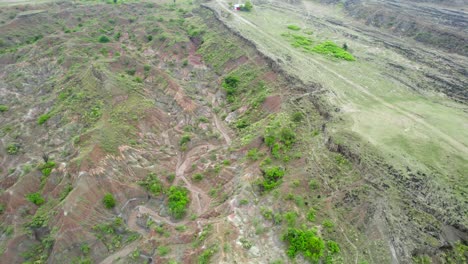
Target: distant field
419, 129
21, 2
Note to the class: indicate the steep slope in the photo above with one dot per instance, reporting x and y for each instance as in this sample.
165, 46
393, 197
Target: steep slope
148, 132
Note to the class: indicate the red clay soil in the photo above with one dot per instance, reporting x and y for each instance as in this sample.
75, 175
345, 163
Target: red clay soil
232, 64
272, 104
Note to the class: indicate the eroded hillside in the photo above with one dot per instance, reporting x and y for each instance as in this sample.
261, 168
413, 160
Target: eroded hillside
148, 132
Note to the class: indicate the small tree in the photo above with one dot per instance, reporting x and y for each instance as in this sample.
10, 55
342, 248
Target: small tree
248, 6
345, 46
115, 1
108, 201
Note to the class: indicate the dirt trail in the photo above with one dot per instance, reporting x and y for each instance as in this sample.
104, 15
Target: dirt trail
120, 254
222, 129
308, 60
200, 200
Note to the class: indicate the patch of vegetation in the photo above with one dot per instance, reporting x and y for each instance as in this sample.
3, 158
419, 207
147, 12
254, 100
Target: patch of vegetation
328, 224
163, 250
333, 247
3, 108
311, 215
184, 140
207, 254
66, 190
152, 184
109, 201
294, 27
35, 198
246, 244
2, 208
43, 118
330, 48
114, 234
12, 149
103, 39
203, 235
178, 201
39, 253
253, 154
247, 7
170, 177
306, 242
230, 84
46, 168
197, 177
297, 117
272, 178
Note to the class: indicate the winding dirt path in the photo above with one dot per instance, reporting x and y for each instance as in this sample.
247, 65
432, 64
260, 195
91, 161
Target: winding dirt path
222, 129
200, 200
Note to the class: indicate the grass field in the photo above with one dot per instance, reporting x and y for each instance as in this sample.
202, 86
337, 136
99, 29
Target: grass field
423, 131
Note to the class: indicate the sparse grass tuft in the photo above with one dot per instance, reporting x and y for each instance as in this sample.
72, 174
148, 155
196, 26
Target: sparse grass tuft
43, 118
294, 27
3, 108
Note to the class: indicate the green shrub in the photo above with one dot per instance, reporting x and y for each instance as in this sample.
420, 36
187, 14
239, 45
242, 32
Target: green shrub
178, 201
290, 218
197, 177
152, 184
163, 250
253, 154
294, 27
328, 224
147, 68
170, 177
203, 119
247, 6
297, 117
272, 177
108, 200
313, 184
131, 72
243, 202
149, 38
304, 241
85, 248
138, 79
287, 136
35, 198
2, 208
184, 140
43, 118
3, 108
206, 255
242, 123
12, 149
103, 39
230, 84
46, 168
311, 215
333, 247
